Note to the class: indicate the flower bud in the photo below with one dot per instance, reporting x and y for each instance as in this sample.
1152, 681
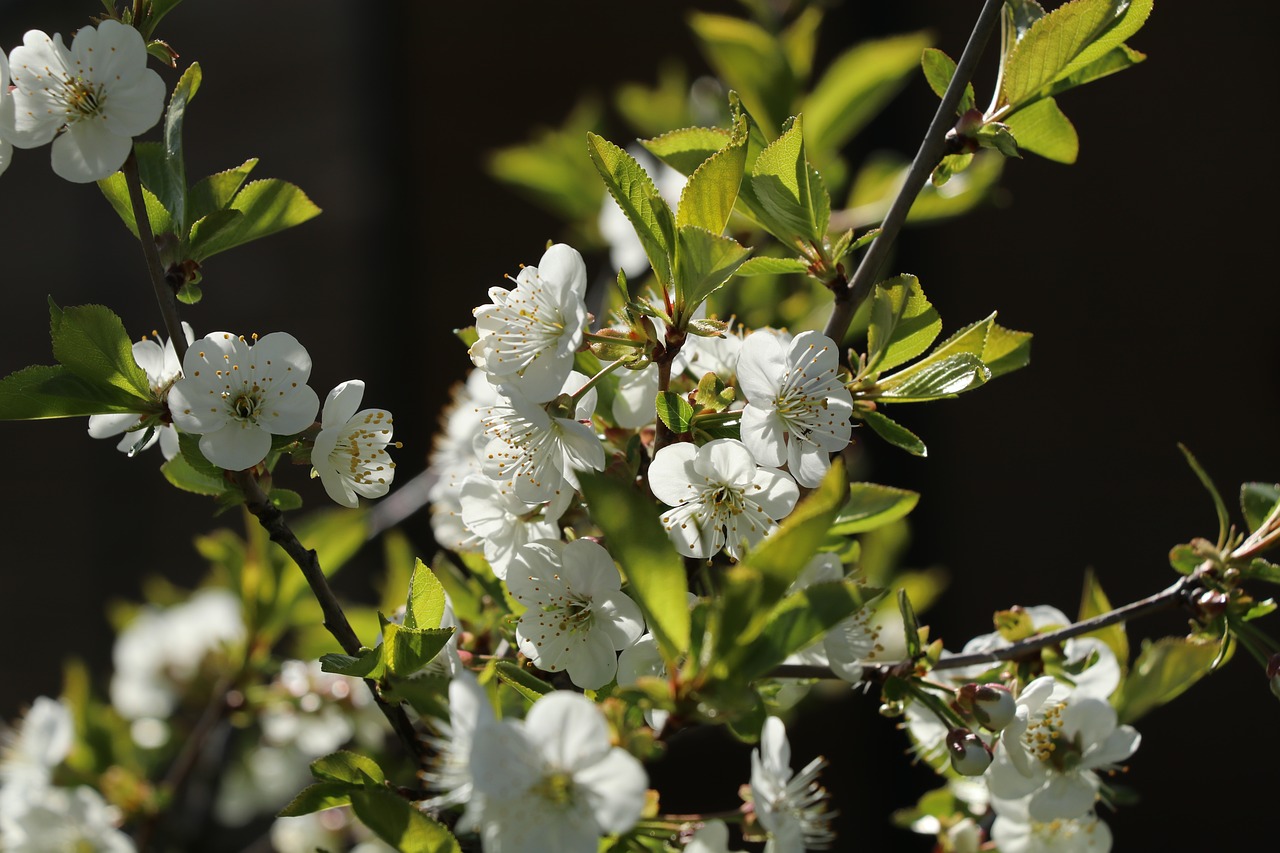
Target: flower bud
992, 705
969, 755
964, 837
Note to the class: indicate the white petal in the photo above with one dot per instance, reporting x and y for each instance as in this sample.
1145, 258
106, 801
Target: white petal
615, 787
342, 403
672, 472
727, 461
570, 730
761, 364
88, 151
562, 267
236, 446
765, 434
1067, 795
105, 426
776, 493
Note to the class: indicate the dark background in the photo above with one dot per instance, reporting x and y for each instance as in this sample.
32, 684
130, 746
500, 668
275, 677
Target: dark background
1144, 271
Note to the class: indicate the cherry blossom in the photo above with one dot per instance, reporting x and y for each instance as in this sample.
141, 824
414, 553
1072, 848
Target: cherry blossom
160, 363
350, 452
792, 807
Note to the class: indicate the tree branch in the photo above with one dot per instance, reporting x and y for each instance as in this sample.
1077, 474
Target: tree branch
335, 621
159, 281
856, 290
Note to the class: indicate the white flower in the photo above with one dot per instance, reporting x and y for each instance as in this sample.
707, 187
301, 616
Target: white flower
6, 104
721, 497
797, 409
455, 455
236, 394
493, 511
528, 335
29, 753
711, 837
552, 783
61, 819
1052, 760
160, 363
469, 714
577, 616
792, 808
94, 98
160, 650
350, 452
639, 660
850, 645
539, 453
1014, 831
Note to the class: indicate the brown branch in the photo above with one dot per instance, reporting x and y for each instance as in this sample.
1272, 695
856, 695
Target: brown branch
335, 621
164, 292
858, 288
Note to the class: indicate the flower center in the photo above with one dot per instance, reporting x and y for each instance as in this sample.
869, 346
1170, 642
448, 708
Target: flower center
556, 788
1043, 739
574, 612
245, 405
721, 499
81, 99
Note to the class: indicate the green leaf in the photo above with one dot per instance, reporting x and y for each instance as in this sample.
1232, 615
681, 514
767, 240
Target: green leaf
1257, 502
1069, 38
1006, 350
399, 822
156, 10
182, 474
935, 379
656, 109
791, 193
116, 190
1118, 59
753, 589
856, 86
1260, 569
189, 449
425, 607
938, 71
709, 194
318, 797
654, 571
750, 61
686, 149
1219, 505
525, 683
39, 392
269, 206
157, 179
408, 650
215, 192
704, 262
551, 169
285, 499
797, 621
91, 342
172, 190
903, 323
871, 506
675, 411
368, 664
895, 433
1094, 602
773, 266
635, 193
910, 625
1041, 128
1163, 671
349, 767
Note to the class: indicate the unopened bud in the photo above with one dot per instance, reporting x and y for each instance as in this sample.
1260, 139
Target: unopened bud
992, 705
969, 755
965, 837
1212, 603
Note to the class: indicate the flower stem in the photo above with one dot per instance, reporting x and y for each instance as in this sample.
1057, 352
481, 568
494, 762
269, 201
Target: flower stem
159, 282
591, 383
662, 433
853, 293
335, 621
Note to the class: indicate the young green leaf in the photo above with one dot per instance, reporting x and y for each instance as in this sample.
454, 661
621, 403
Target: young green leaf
172, 190
675, 411
1257, 502
183, 475
773, 266
903, 323
116, 191
686, 149
425, 607
1094, 602
91, 341
750, 61
704, 262
524, 682
634, 191
654, 571
39, 392
551, 170
1041, 128
856, 87
317, 798
790, 192
870, 506
1163, 671
368, 664
1118, 59
935, 379
407, 650
400, 823
895, 433
268, 206
938, 71
349, 767
215, 192
1219, 505
709, 194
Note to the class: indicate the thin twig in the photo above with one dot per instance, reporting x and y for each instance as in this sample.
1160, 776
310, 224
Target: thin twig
662, 434
855, 292
159, 282
335, 621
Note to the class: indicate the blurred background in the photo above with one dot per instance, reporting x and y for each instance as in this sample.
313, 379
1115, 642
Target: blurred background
1142, 271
